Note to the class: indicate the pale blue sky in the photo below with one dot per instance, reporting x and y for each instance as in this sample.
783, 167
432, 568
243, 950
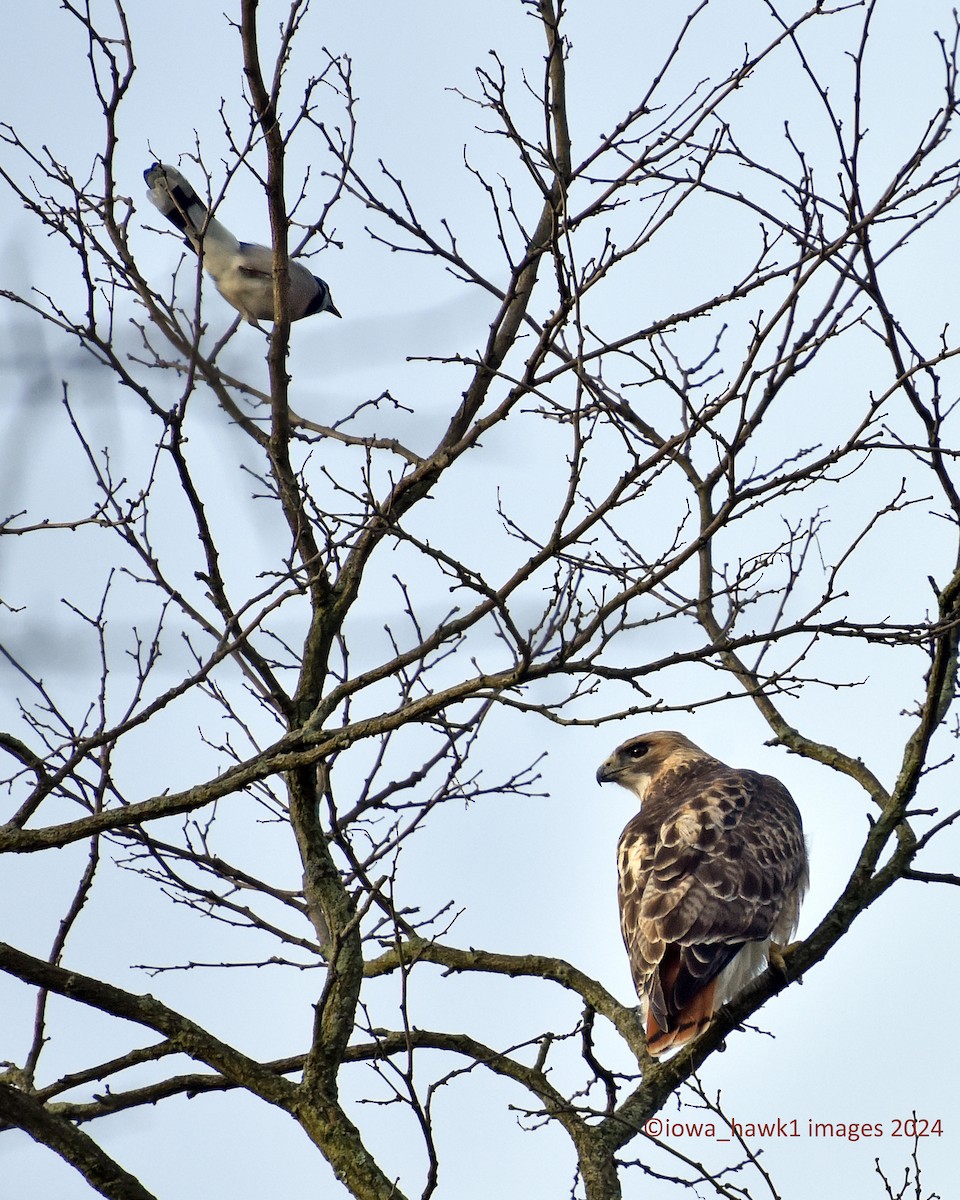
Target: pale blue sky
532, 876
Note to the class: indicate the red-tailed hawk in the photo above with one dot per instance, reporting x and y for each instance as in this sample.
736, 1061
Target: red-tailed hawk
712, 870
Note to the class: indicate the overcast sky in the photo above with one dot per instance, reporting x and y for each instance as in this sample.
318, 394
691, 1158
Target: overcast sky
853, 1043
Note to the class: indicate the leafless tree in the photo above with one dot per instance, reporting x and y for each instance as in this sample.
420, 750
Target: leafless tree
721, 454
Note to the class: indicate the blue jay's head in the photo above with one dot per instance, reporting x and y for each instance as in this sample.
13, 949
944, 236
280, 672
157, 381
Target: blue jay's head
322, 301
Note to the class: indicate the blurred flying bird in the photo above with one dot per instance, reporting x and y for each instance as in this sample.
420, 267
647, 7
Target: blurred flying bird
242, 271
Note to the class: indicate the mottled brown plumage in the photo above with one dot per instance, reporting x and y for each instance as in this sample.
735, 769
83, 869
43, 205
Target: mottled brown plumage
712, 870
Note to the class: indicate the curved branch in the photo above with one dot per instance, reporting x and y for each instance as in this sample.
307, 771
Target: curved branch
71, 1144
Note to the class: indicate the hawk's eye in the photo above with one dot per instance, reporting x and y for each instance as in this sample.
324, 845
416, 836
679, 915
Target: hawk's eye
638, 749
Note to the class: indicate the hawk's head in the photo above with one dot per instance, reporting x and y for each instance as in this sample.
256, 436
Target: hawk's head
637, 762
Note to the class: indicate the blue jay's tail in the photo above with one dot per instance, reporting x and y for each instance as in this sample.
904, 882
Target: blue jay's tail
180, 204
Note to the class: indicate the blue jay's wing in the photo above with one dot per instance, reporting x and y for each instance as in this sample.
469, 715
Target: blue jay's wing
255, 261
242, 271
245, 280
248, 285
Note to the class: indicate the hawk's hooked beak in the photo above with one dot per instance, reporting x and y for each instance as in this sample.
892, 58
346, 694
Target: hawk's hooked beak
607, 771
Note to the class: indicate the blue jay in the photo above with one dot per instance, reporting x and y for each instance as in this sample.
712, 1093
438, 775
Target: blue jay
243, 272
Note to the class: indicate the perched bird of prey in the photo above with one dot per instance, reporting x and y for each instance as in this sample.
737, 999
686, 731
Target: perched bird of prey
242, 272
712, 871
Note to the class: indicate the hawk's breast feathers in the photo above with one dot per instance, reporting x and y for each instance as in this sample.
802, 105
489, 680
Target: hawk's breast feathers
712, 870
